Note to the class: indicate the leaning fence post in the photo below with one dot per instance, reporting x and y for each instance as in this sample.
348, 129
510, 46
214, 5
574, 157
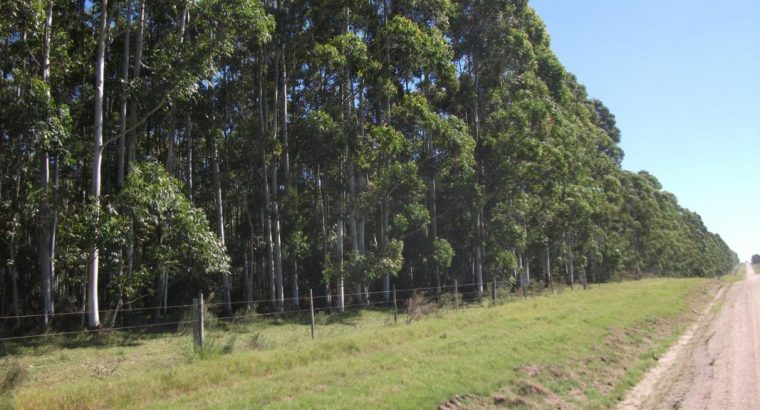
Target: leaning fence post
198, 320
456, 293
395, 307
311, 307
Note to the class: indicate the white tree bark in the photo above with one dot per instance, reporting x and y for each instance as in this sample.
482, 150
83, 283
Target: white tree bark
123, 108
132, 148
339, 240
44, 228
92, 277
220, 219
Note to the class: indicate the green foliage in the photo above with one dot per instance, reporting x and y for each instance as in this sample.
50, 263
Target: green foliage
177, 233
443, 254
446, 138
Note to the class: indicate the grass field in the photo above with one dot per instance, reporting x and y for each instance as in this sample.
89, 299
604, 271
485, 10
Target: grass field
578, 349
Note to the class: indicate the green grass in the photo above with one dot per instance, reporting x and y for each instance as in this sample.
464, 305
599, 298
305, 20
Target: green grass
581, 349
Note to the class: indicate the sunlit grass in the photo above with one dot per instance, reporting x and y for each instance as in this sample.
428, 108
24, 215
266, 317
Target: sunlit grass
581, 348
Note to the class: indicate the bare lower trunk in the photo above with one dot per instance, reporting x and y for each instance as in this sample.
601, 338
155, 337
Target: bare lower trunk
548, 269
478, 256
14, 277
277, 244
384, 233
94, 260
339, 240
294, 284
44, 234
527, 271
248, 281
325, 239
434, 230
220, 220
189, 139
353, 229
270, 245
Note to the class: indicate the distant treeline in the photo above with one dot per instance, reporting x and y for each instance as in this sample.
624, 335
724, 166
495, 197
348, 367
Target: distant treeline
151, 150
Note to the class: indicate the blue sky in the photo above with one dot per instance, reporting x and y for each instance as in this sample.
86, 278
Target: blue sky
683, 79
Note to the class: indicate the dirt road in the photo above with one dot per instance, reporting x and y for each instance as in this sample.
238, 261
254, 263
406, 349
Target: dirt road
716, 364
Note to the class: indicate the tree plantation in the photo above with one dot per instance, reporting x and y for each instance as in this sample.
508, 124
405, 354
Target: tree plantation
151, 150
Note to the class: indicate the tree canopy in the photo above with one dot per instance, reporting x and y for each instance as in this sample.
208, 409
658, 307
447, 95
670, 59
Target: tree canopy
259, 148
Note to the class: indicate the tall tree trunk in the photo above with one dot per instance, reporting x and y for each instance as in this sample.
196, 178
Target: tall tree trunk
173, 130
248, 279
53, 230
275, 205
44, 232
92, 279
569, 268
277, 243
434, 230
189, 141
227, 286
325, 238
339, 243
385, 210
353, 227
294, 283
478, 254
132, 148
124, 98
527, 271
12, 271
285, 142
270, 244
548, 269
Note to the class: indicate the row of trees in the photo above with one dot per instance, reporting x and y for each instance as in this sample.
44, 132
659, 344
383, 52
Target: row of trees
335, 145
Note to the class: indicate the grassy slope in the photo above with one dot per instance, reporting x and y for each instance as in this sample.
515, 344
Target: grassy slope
580, 349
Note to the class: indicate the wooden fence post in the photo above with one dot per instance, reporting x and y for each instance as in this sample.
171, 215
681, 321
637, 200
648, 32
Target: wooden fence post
311, 307
395, 307
198, 321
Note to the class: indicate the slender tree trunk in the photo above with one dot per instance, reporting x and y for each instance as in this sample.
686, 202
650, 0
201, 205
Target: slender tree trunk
220, 219
478, 255
132, 148
277, 244
353, 227
53, 230
341, 293
285, 141
94, 260
247, 268
325, 239
44, 232
189, 139
434, 230
124, 98
569, 263
527, 270
548, 269
14, 273
173, 131
294, 284
270, 244
275, 205
385, 228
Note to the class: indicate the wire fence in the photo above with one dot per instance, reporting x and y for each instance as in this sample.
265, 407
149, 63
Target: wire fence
452, 293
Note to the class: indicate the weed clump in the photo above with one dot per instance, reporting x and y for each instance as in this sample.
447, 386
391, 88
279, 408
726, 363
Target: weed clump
418, 306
